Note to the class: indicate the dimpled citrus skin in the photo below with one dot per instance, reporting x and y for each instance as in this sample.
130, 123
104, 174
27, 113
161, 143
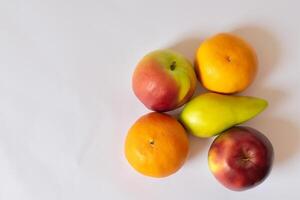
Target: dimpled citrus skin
225, 63
156, 145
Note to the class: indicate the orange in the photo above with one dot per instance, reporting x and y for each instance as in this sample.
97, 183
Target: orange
225, 63
156, 145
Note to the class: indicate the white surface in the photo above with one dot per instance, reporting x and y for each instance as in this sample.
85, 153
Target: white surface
66, 101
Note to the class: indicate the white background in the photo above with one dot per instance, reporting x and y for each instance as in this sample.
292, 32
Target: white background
66, 101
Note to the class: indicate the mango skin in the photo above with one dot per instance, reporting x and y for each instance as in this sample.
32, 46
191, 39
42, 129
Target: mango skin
164, 80
210, 114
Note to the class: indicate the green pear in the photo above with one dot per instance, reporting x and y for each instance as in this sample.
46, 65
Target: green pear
210, 114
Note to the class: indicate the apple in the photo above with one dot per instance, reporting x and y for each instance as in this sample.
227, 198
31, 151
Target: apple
240, 158
164, 80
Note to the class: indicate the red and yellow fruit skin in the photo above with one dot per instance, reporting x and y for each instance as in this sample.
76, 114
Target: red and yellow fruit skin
159, 87
227, 155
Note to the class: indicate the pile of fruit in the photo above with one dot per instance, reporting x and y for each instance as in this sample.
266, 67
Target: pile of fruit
157, 144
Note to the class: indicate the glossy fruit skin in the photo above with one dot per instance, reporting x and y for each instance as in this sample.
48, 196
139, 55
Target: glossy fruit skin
156, 145
240, 158
226, 64
209, 114
164, 80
